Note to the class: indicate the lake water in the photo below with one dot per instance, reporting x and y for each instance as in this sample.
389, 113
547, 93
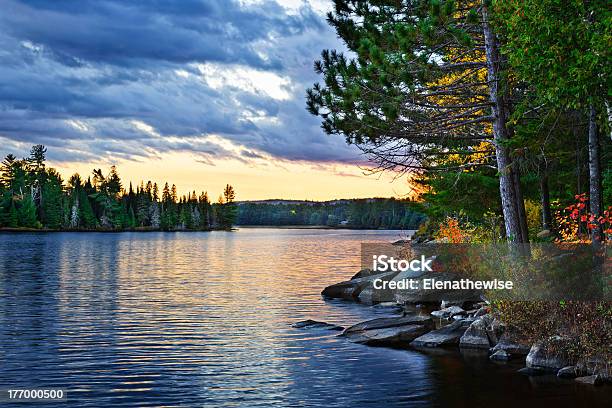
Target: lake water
204, 319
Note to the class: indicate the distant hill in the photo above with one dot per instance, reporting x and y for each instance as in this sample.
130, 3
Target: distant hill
366, 213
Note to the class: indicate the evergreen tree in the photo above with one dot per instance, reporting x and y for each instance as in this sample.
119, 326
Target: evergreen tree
26, 213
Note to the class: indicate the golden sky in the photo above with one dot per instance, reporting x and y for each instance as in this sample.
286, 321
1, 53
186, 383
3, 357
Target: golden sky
253, 180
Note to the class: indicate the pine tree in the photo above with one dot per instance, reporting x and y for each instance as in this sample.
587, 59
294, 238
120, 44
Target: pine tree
26, 213
12, 219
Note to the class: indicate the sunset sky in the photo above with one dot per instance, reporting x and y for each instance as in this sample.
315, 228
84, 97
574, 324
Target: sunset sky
195, 92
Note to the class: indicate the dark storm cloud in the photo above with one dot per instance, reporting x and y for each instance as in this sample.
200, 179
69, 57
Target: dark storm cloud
133, 79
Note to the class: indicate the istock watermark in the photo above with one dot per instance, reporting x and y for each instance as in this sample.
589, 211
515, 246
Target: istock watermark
384, 263
435, 272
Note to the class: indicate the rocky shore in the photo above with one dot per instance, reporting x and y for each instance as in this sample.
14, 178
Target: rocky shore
463, 320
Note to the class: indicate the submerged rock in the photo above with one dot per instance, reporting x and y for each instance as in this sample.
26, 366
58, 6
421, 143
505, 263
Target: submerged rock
531, 372
542, 359
447, 335
314, 324
393, 331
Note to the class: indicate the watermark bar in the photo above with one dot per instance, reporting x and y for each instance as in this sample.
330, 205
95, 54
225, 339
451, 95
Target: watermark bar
521, 272
42, 395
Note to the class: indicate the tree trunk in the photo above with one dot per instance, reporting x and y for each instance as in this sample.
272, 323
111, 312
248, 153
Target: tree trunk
594, 172
507, 188
520, 202
545, 199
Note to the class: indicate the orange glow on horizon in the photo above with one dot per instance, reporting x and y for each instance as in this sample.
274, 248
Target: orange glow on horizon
254, 180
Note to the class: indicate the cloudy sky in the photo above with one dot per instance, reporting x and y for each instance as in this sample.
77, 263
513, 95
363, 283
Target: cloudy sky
195, 92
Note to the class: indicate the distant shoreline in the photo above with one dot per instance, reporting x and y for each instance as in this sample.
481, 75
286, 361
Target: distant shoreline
235, 228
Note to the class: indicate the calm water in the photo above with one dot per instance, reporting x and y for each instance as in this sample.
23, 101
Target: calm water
204, 319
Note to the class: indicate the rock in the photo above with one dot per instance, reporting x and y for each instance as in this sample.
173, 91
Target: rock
363, 274
314, 324
422, 295
392, 331
568, 372
448, 312
542, 359
543, 234
401, 242
531, 372
476, 335
591, 379
510, 346
596, 365
500, 355
447, 303
351, 289
481, 312
447, 335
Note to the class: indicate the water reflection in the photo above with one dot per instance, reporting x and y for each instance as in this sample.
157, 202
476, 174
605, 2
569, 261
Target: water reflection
203, 319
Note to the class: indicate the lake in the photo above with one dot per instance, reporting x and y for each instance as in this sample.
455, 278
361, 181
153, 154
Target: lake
204, 319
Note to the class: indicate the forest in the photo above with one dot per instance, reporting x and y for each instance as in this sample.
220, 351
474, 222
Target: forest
34, 196
498, 112
373, 213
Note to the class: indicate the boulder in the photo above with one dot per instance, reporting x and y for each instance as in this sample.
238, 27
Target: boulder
510, 346
351, 289
476, 336
569, 372
481, 312
542, 359
422, 295
390, 331
448, 312
591, 379
447, 335
500, 355
314, 324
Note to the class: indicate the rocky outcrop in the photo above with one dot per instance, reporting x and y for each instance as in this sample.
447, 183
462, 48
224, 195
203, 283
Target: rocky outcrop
351, 289
314, 324
539, 358
392, 331
445, 336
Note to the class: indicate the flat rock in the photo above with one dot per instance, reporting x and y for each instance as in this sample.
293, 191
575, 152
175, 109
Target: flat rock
447, 335
393, 331
590, 379
314, 324
448, 312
